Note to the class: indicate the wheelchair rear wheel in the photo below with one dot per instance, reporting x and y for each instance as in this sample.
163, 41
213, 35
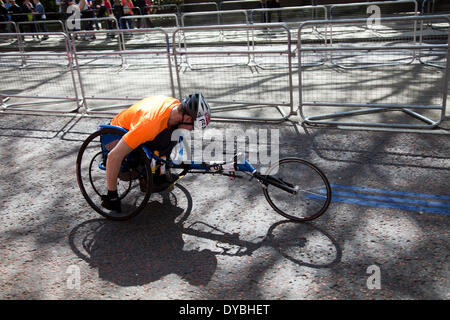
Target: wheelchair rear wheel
135, 178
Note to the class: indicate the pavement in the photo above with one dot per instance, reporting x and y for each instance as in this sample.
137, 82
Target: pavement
215, 238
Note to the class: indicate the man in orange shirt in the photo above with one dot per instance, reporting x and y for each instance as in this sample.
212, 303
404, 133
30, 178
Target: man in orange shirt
151, 120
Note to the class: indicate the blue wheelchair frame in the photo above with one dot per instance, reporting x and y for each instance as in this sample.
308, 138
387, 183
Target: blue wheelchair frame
243, 167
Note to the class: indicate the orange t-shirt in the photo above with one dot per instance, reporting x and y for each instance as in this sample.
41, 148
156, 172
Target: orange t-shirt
145, 119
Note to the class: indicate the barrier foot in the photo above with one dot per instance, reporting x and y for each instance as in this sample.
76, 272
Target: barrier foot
320, 119
4, 99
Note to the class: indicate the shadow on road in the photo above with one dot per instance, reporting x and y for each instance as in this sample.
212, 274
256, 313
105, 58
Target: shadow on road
143, 249
150, 247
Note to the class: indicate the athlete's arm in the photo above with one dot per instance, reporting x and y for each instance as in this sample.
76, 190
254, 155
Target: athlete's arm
113, 163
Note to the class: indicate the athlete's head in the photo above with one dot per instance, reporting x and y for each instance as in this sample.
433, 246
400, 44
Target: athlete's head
198, 109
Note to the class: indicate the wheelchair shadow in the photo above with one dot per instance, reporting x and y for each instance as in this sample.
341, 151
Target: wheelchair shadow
150, 246
143, 249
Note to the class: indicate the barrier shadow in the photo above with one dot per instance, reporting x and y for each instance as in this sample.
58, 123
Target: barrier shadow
420, 150
17, 126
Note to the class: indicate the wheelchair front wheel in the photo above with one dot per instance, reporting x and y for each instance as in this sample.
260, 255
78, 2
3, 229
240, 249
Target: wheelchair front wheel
134, 185
313, 191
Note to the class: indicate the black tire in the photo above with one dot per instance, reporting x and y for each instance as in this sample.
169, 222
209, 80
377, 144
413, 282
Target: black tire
92, 179
314, 191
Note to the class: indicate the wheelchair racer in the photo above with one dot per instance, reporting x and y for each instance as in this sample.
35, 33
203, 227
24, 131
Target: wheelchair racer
151, 121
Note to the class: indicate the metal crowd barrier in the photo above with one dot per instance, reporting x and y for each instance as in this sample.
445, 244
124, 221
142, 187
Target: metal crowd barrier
391, 95
373, 30
17, 38
146, 72
47, 78
104, 76
163, 8
165, 20
373, 10
7, 24
366, 9
433, 6
292, 16
218, 18
239, 5
191, 19
229, 83
432, 31
200, 6
109, 22
37, 24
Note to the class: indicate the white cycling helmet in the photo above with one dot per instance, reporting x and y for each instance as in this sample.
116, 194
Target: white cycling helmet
196, 106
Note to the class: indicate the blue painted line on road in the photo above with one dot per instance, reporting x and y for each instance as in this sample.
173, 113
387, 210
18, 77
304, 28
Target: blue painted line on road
390, 199
399, 193
383, 204
410, 201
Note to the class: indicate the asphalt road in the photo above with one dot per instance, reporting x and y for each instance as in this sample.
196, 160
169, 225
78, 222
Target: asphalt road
215, 238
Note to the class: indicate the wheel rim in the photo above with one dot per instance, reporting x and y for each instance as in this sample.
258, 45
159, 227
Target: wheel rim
314, 192
92, 180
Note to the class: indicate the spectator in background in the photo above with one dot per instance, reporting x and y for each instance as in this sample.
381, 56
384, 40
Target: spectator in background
263, 5
17, 14
3, 17
28, 9
104, 10
118, 11
108, 7
273, 4
142, 5
88, 14
127, 11
63, 9
92, 6
7, 6
40, 16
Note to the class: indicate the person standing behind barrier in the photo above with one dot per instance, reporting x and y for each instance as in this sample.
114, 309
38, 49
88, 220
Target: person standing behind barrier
104, 10
3, 17
7, 5
274, 4
63, 9
263, 5
17, 15
142, 5
88, 14
92, 6
118, 12
40, 16
27, 8
127, 11
8, 16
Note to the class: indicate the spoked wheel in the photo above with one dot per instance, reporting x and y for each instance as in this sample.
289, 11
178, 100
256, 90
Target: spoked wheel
312, 194
135, 177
